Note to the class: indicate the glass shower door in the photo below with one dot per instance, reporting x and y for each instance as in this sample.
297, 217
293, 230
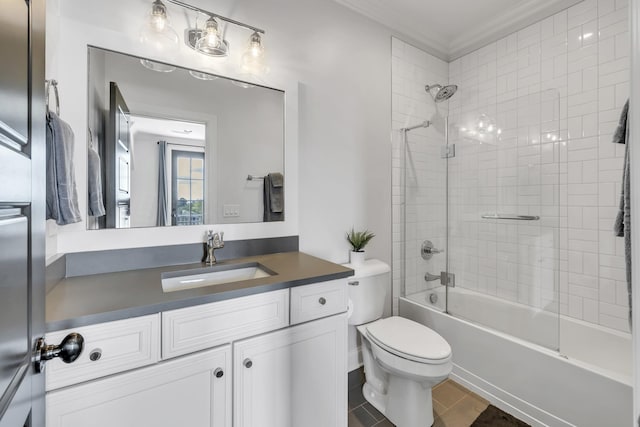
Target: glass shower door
423, 209
504, 214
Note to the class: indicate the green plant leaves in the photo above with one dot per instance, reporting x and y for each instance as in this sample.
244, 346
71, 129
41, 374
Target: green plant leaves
359, 239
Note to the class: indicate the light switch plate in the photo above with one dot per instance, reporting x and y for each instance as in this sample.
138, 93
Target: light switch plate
231, 211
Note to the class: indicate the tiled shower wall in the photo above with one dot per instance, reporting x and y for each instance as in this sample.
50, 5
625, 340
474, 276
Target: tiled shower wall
571, 72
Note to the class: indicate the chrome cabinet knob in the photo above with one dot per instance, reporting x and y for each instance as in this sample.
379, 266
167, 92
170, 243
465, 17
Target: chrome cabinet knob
247, 363
218, 373
322, 301
95, 354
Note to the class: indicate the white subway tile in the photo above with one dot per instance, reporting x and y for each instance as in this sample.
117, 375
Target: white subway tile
590, 310
575, 306
614, 322
607, 292
582, 12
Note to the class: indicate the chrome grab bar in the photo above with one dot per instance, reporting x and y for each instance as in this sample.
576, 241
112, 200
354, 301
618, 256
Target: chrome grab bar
513, 217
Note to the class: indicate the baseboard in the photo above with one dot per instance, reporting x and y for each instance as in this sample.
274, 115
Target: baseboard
506, 401
354, 360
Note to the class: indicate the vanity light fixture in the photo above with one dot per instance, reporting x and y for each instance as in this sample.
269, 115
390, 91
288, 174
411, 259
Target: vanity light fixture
210, 40
253, 60
157, 33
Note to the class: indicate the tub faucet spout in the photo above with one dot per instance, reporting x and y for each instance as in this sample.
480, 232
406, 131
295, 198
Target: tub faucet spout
445, 279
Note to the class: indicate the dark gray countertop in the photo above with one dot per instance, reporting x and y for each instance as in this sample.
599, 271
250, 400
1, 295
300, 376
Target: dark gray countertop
85, 300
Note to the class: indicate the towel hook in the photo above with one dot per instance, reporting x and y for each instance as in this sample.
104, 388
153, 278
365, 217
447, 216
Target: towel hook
49, 84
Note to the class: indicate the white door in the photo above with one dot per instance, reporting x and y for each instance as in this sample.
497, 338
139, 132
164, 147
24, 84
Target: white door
293, 377
192, 391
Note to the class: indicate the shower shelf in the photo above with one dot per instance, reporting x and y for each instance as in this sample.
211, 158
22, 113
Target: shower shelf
512, 217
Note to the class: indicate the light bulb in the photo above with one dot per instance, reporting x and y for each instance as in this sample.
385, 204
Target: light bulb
210, 42
158, 16
253, 59
157, 34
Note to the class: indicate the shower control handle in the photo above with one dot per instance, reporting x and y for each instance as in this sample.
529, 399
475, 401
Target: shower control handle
428, 250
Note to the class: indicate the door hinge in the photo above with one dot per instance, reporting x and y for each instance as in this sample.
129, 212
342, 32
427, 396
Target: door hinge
448, 151
448, 279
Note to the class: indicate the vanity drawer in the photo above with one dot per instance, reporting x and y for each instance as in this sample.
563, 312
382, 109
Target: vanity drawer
323, 299
204, 326
117, 346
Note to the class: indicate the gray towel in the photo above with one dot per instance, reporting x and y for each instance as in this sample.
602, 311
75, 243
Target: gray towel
622, 226
273, 192
62, 196
94, 174
163, 203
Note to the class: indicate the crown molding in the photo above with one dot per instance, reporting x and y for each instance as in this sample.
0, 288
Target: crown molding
506, 22
378, 10
512, 20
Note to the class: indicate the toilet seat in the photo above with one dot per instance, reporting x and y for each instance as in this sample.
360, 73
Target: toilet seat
409, 340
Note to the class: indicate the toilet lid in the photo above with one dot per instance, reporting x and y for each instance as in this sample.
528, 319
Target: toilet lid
409, 339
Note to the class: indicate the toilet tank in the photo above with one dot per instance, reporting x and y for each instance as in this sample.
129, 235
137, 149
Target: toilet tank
368, 290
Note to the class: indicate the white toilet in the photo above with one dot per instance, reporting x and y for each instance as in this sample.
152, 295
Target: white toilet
403, 359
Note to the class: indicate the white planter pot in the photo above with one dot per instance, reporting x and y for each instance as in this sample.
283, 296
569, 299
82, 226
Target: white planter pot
357, 258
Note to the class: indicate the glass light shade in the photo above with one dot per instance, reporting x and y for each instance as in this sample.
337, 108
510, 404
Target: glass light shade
210, 41
157, 66
202, 76
157, 33
254, 58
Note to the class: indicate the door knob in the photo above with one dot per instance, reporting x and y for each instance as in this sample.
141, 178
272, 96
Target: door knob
247, 363
69, 350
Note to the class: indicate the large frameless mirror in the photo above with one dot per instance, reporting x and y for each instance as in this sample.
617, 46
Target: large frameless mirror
171, 146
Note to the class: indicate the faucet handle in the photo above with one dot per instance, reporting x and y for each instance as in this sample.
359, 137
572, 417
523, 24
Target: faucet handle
222, 237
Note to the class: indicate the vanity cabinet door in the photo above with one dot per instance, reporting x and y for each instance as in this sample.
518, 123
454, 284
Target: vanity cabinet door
192, 391
293, 377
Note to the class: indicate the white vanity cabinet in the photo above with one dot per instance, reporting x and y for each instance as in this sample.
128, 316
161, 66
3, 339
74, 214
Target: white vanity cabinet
271, 359
293, 377
193, 391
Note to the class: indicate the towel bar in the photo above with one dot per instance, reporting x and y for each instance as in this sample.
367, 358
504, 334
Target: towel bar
512, 217
54, 84
252, 177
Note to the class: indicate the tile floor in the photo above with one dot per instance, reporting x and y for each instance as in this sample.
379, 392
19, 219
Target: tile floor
453, 405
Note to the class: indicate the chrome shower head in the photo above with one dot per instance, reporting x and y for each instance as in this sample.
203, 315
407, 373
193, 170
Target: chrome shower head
443, 92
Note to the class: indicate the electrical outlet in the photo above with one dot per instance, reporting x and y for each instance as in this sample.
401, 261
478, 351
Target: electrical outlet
231, 211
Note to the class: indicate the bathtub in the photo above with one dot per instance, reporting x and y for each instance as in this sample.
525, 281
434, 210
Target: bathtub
511, 359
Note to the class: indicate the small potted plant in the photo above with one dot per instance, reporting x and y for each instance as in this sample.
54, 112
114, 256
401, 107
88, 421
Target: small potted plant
358, 240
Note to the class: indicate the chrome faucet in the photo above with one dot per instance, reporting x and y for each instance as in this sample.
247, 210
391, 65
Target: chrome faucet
445, 279
214, 241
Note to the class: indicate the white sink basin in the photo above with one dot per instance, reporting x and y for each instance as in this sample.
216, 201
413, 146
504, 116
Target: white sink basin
218, 275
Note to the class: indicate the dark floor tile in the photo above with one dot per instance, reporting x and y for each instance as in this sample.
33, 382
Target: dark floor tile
385, 423
356, 378
373, 411
355, 398
359, 417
